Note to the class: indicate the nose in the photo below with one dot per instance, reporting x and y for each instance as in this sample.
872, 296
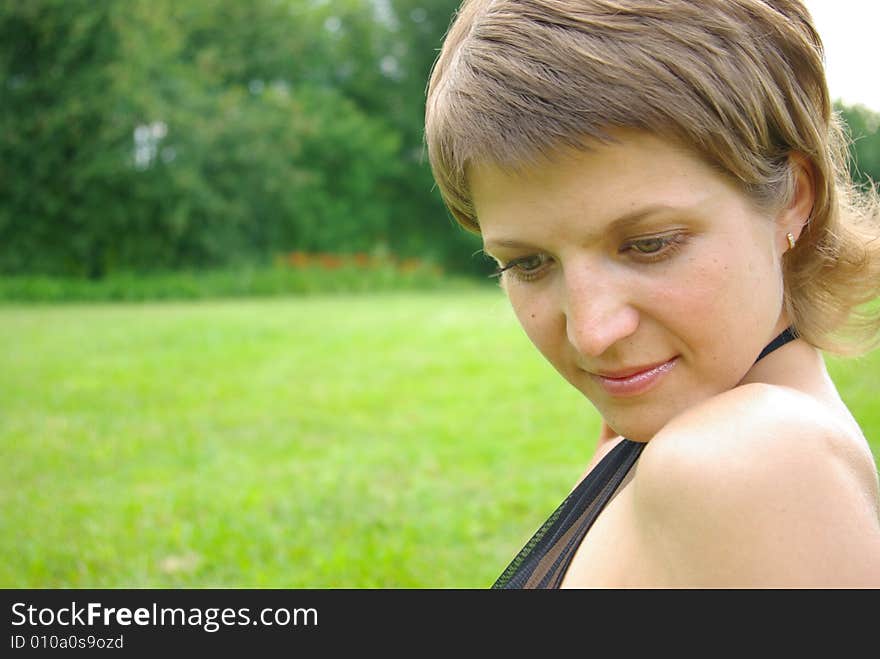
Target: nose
597, 312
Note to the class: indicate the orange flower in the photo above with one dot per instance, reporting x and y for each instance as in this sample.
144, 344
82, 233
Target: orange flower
298, 259
410, 265
362, 260
330, 261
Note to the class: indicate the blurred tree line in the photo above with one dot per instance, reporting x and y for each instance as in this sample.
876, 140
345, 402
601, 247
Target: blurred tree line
864, 128
140, 135
156, 134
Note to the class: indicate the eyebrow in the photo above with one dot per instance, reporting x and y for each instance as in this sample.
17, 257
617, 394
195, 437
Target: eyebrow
618, 225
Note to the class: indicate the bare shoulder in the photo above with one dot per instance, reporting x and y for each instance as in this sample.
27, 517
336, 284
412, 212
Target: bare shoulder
757, 425
760, 486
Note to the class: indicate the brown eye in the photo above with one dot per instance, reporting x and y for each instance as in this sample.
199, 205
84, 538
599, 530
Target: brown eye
655, 248
649, 245
525, 268
530, 263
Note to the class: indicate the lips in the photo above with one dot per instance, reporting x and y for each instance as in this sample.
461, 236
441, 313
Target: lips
634, 381
629, 372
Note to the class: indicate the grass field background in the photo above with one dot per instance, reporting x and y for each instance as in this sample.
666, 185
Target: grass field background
393, 440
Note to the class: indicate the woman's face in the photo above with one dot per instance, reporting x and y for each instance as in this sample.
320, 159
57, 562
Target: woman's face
647, 279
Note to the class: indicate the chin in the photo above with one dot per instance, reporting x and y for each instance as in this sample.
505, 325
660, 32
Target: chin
638, 418
637, 432
641, 422
639, 425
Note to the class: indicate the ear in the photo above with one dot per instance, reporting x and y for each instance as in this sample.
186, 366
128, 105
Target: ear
793, 216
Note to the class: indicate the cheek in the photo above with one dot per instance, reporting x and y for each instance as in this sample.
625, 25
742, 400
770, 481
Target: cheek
741, 286
537, 318
715, 301
688, 296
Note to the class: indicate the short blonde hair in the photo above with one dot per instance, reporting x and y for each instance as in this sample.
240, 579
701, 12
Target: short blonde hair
740, 82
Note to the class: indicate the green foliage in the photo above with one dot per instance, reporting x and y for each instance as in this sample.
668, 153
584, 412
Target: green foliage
244, 281
864, 129
154, 135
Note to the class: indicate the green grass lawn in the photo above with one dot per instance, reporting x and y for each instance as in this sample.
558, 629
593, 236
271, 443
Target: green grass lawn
397, 440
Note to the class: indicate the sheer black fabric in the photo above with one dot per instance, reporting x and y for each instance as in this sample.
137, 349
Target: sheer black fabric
543, 561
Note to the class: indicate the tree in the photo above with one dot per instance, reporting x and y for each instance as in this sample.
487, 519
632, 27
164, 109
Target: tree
864, 129
153, 134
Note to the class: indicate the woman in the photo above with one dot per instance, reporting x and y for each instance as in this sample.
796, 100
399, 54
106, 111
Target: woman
663, 186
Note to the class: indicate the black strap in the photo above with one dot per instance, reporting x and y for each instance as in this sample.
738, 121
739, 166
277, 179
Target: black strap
788, 334
578, 512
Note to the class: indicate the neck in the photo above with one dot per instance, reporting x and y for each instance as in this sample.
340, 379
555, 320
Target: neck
799, 366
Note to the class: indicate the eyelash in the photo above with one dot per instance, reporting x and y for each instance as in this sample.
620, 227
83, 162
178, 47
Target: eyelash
670, 244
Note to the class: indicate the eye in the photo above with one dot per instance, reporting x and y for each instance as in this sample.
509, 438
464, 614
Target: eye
654, 248
649, 245
525, 268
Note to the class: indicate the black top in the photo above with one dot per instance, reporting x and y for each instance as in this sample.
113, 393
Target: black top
543, 561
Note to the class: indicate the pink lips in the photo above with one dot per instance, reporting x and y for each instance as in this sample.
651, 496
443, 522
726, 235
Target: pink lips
636, 382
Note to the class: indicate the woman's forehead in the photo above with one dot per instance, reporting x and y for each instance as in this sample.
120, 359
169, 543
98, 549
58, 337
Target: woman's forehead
639, 169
